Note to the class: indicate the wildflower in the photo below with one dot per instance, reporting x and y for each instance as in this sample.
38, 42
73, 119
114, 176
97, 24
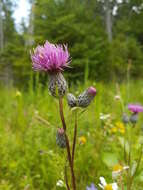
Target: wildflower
105, 186
60, 183
52, 59
114, 129
72, 101
18, 93
104, 116
117, 170
125, 118
135, 108
117, 97
60, 138
92, 187
121, 127
82, 140
86, 97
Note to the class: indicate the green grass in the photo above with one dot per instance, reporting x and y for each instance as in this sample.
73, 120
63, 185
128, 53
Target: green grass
29, 156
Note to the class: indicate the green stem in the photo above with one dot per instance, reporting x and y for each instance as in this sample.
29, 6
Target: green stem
138, 165
66, 177
67, 144
74, 139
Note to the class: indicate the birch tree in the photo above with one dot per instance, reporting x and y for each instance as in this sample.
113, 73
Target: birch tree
1, 27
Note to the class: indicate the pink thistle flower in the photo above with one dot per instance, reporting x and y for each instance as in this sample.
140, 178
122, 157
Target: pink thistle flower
50, 58
135, 108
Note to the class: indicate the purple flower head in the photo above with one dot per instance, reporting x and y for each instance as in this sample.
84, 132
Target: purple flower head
50, 57
92, 187
135, 108
92, 91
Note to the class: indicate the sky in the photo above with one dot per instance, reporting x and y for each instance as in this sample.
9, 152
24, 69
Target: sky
22, 11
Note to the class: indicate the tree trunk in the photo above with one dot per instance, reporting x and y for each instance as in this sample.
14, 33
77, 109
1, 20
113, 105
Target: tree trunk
108, 20
30, 40
1, 28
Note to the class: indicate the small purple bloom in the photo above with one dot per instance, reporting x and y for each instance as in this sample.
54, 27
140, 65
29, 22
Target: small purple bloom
50, 57
135, 108
92, 187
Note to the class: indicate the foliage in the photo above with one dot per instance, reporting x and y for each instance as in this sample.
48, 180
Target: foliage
29, 155
81, 25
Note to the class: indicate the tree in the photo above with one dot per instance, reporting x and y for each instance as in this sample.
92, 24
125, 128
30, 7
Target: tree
1, 26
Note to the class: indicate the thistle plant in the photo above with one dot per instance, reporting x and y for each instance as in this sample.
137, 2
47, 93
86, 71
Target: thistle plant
53, 59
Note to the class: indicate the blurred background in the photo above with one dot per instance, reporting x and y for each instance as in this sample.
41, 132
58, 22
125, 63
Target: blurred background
104, 37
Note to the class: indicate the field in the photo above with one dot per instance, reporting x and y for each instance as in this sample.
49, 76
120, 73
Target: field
29, 156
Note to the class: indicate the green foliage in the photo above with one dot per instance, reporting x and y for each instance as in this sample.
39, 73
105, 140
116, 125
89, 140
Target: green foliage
81, 25
29, 155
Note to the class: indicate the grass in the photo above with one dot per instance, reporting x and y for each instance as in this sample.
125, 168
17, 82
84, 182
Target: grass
29, 156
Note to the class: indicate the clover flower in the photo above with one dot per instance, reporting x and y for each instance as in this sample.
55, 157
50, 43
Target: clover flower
117, 170
105, 186
92, 187
86, 97
52, 59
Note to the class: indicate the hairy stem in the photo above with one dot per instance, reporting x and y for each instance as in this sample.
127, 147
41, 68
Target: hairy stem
67, 144
74, 139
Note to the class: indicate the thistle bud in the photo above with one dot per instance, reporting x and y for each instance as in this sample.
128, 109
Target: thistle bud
125, 118
72, 101
57, 85
60, 138
86, 97
134, 118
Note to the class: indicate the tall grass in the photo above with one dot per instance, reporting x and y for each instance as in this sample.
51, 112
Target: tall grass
29, 156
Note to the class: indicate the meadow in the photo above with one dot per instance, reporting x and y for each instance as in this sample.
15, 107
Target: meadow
29, 156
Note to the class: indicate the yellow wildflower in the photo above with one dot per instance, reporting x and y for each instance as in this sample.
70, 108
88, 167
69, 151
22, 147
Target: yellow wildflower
121, 127
114, 129
117, 170
108, 187
117, 167
82, 140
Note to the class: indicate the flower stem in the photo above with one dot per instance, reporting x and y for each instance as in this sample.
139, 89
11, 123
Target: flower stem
121, 183
137, 167
67, 144
66, 176
75, 136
